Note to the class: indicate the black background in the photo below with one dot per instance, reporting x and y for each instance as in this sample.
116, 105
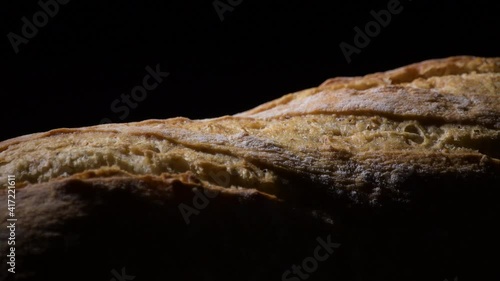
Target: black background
91, 52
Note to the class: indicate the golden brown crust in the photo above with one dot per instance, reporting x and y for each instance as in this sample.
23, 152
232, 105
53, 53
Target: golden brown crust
445, 108
458, 90
352, 148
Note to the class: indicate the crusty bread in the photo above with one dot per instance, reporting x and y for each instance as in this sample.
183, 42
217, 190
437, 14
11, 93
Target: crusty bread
404, 154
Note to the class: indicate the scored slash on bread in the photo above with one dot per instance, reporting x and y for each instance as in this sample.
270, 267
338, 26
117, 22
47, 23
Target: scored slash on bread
397, 144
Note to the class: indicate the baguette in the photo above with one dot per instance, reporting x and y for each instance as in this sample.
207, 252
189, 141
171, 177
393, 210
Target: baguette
400, 168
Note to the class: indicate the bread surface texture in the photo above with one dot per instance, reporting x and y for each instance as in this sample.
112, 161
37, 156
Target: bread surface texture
362, 158
362, 134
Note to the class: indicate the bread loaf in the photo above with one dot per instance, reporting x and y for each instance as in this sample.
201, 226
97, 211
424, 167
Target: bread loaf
399, 169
